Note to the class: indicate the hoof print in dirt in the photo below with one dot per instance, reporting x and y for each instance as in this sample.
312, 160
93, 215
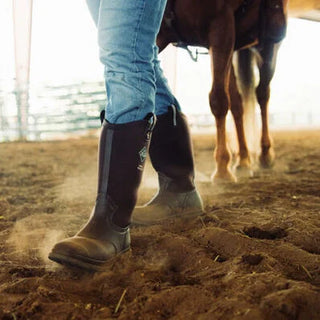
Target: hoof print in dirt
271, 234
252, 259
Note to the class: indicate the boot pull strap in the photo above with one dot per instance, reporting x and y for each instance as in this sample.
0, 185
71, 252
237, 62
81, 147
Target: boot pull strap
151, 119
174, 114
102, 116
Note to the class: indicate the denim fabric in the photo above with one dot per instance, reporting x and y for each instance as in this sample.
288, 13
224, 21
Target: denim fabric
135, 83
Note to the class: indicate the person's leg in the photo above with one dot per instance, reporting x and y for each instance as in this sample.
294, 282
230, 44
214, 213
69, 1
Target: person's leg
172, 158
127, 32
132, 70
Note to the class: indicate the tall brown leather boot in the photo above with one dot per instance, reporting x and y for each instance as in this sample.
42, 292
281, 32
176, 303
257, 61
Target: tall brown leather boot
122, 153
171, 156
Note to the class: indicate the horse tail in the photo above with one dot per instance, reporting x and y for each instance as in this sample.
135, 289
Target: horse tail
245, 70
245, 65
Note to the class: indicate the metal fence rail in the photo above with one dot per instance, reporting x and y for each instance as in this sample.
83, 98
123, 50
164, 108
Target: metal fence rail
53, 110
56, 111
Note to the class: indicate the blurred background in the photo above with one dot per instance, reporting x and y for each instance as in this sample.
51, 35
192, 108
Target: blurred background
65, 80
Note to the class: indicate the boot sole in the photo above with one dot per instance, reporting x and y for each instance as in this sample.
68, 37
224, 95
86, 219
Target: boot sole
187, 215
87, 264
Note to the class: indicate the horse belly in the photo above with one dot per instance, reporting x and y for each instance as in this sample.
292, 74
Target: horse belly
194, 19
247, 26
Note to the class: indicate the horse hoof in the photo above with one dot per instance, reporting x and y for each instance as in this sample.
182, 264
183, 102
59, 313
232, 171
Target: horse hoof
266, 161
244, 172
223, 177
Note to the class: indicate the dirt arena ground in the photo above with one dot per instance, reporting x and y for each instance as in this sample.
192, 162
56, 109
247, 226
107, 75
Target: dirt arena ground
254, 255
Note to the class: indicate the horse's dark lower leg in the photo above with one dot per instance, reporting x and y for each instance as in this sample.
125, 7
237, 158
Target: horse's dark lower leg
164, 37
221, 49
237, 113
266, 69
162, 42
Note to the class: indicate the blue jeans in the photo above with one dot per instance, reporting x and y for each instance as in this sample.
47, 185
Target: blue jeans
135, 83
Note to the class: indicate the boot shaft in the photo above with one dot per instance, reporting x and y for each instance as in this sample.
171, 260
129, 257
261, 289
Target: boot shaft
171, 150
122, 153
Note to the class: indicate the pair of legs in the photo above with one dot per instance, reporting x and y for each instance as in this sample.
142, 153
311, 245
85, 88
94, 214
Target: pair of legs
136, 88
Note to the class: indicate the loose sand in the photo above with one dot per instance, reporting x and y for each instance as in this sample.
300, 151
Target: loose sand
254, 255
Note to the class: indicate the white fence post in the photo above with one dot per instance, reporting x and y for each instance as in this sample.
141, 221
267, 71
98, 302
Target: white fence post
22, 23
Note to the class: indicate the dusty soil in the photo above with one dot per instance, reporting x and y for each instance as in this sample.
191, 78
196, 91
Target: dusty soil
254, 255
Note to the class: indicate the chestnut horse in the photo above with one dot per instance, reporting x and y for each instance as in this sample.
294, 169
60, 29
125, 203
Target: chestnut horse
249, 28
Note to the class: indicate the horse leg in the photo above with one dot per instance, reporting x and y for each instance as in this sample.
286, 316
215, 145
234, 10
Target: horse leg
243, 167
221, 44
165, 35
266, 70
162, 42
